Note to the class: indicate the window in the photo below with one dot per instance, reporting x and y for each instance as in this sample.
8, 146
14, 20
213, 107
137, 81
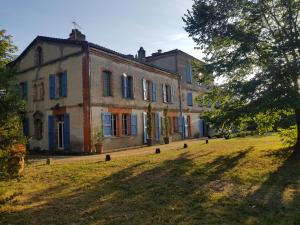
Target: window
147, 86
188, 73
175, 124
38, 125
38, 91
25, 124
168, 93
24, 90
58, 87
149, 90
189, 126
107, 84
39, 56
127, 86
114, 125
125, 124
190, 99
170, 125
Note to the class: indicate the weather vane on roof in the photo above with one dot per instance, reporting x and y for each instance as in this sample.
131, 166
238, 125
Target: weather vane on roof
76, 25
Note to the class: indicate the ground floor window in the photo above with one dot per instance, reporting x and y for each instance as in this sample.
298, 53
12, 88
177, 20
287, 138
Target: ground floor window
125, 124
175, 124
114, 125
189, 126
38, 125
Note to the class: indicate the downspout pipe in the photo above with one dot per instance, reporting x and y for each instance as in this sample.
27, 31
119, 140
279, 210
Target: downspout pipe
180, 95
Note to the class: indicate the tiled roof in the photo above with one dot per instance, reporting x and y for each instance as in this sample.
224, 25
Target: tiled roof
83, 44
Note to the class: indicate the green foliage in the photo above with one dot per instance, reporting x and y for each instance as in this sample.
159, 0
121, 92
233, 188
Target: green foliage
11, 106
98, 136
253, 46
288, 136
201, 74
266, 121
6, 49
149, 121
166, 122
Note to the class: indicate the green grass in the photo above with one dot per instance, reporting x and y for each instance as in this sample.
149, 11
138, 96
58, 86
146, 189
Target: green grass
238, 181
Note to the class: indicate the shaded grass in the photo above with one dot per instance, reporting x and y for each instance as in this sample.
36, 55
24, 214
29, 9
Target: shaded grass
238, 181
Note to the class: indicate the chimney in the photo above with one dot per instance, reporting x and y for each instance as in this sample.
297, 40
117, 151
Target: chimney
159, 51
141, 54
76, 35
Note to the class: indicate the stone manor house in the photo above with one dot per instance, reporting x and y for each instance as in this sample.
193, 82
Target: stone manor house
74, 88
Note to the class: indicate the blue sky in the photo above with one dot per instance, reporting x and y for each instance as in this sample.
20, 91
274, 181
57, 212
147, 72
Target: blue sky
121, 25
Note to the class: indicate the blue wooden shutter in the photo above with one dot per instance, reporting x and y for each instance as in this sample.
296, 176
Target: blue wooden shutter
66, 132
172, 92
25, 94
26, 126
190, 98
64, 84
156, 123
51, 141
164, 90
201, 127
153, 91
180, 124
188, 74
106, 120
133, 124
52, 86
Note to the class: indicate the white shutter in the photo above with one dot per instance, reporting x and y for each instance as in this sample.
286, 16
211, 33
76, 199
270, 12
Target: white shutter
145, 89
145, 126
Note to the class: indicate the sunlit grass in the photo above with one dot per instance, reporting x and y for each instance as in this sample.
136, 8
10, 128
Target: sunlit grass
238, 181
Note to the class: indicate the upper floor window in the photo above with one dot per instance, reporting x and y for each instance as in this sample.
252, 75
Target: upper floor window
168, 93
190, 99
58, 85
38, 91
149, 90
127, 86
38, 56
188, 73
24, 90
107, 84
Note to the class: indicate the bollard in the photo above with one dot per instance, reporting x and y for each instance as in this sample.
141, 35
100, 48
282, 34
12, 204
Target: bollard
48, 161
185, 145
157, 151
107, 158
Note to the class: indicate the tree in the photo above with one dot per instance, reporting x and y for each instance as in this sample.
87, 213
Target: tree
254, 46
11, 106
149, 124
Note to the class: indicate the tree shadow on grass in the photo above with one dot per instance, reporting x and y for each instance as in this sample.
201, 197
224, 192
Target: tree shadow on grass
174, 192
277, 200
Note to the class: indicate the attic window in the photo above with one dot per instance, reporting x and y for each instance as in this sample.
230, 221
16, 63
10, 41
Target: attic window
39, 56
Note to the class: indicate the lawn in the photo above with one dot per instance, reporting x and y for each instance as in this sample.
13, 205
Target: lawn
239, 181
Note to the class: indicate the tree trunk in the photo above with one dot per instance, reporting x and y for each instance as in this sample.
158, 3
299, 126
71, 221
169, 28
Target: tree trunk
297, 114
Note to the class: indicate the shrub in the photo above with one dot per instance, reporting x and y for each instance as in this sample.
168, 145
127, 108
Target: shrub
288, 136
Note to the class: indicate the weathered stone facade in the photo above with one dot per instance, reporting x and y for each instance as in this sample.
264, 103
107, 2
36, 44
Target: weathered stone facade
67, 122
